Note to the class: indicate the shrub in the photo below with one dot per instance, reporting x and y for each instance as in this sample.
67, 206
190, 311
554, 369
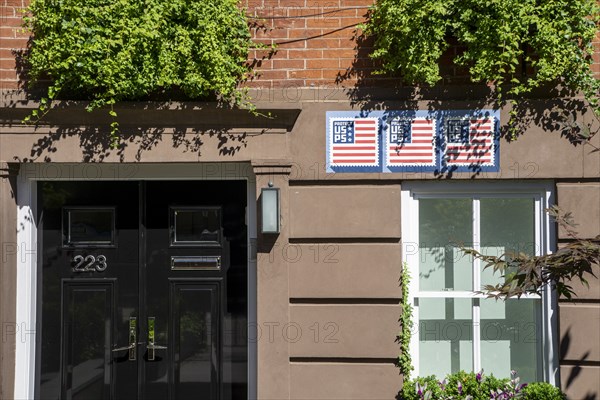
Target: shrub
475, 386
416, 388
543, 391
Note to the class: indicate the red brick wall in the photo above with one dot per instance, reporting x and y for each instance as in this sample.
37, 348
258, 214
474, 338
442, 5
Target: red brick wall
12, 38
315, 41
315, 44
596, 65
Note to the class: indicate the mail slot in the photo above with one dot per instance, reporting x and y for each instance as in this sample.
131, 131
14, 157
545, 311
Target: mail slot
201, 262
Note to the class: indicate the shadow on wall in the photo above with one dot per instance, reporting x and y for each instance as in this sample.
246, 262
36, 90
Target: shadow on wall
188, 126
571, 381
143, 124
95, 143
556, 110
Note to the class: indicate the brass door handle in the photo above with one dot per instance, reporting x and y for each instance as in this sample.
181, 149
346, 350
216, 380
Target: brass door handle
132, 340
151, 347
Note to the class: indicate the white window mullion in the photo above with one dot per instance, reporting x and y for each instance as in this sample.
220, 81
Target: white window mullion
476, 335
476, 244
476, 286
540, 246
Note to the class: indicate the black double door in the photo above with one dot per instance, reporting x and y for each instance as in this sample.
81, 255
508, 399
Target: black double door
143, 290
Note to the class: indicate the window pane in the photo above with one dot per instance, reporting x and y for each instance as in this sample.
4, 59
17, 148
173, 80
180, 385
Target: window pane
201, 225
445, 336
90, 226
511, 338
444, 224
507, 226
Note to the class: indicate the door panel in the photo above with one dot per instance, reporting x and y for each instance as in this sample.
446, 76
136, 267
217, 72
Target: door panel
88, 325
189, 226
143, 290
195, 327
84, 260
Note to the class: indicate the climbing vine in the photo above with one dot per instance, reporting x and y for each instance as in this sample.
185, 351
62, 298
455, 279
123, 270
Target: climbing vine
515, 46
112, 50
404, 359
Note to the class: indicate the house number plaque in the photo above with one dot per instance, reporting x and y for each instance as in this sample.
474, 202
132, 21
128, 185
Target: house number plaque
89, 263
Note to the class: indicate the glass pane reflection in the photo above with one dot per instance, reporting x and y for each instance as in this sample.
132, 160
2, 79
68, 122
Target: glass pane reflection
90, 226
511, 338
202, 225
444, 224
507, 227
445, 336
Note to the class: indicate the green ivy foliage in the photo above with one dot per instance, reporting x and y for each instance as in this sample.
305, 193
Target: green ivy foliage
113, 50
552, 37
406, 322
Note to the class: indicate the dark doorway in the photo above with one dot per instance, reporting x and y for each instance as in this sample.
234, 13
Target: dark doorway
143, 290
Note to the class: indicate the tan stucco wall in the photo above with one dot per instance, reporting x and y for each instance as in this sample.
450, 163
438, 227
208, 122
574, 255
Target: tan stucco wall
357, 270
579, 319
333, 380
350, 211
188, 132
357, 325
583, 200
332, 273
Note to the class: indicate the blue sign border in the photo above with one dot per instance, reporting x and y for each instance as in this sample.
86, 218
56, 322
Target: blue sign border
440, 142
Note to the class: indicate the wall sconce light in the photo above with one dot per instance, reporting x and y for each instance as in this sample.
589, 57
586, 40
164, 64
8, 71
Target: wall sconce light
270, 209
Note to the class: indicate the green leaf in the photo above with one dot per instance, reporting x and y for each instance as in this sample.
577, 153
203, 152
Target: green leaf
126, 50
495, 37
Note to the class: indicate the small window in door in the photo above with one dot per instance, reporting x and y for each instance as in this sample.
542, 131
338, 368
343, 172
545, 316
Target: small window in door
89, 226
196, 226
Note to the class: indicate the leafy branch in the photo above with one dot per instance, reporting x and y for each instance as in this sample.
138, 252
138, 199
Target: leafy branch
107, 51
514, 46
525, 274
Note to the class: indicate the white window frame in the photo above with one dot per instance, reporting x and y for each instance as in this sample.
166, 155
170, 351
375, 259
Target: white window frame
543, 194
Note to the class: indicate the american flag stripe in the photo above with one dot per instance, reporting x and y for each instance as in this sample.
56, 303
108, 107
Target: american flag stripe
363, 151
355, 148
394, 147
480, 149
420, 149
407, 161
413, 153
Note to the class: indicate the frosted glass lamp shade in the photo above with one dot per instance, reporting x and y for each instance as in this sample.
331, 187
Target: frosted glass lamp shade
270, 210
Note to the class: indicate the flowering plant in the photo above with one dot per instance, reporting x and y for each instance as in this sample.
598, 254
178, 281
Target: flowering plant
464, 386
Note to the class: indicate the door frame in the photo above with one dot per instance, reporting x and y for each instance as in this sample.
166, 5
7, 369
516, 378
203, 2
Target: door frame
29, 292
